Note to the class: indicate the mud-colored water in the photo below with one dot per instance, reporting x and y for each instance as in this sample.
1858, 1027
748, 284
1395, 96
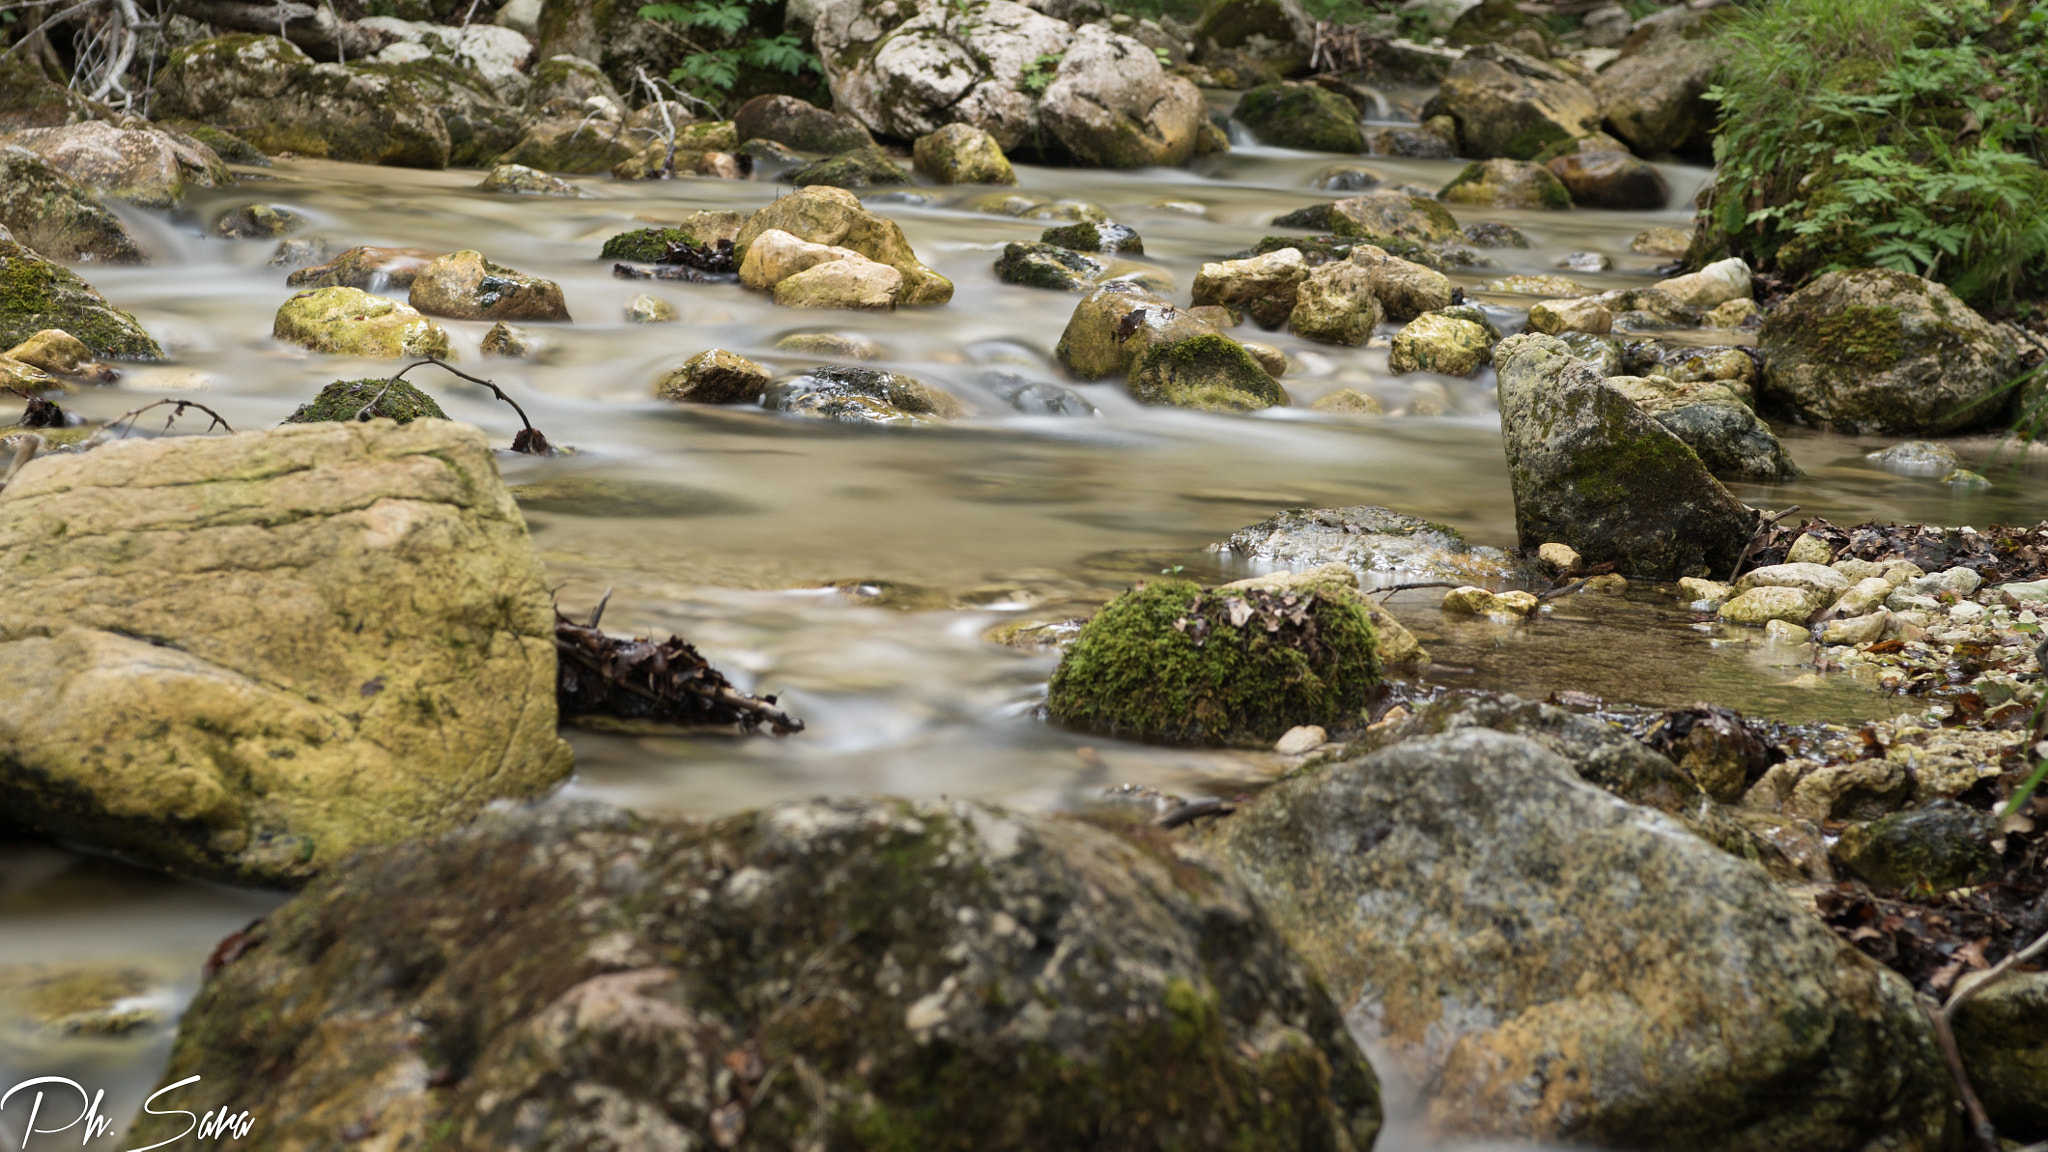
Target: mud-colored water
728, 526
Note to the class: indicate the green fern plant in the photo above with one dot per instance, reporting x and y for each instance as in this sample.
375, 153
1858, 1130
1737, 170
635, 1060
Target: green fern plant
715, 31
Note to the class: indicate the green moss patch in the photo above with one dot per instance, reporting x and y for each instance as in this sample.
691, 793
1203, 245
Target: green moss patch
344, 400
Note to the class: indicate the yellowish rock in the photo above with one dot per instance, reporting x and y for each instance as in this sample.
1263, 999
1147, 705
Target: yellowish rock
834, 216
1765, 603
1434, 342
1558, 557
351, 322
1863, 629
1396, 645
1731, 314
1809, 549
1785, 632
1349, 402
59, 353
1481, 602
715, 376
1865, 595
1695, 590
465, 286
775, 256
1551, 317
858, 283
645, 309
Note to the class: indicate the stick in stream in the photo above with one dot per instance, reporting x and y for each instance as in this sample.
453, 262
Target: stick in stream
1943, 1018
177, 410
1768, 521
528, 441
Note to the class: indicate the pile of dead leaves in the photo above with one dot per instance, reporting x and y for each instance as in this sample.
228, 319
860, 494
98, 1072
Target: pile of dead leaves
669, 683
1999, 554
1254, 612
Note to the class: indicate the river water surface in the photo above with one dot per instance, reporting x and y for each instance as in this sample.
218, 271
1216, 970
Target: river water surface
854, 571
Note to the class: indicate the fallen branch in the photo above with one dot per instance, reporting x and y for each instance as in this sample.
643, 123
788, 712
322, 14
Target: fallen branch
39, 413
178, 409
1584, 576
528, 441
636, 679
1390, 589
316, 31
1767, 521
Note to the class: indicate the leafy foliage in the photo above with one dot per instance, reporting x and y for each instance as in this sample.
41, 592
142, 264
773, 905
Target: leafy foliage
720, 36
1038, 75
1903, 134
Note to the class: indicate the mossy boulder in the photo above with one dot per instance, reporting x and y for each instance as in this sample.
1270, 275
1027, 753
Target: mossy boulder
1507, 184
798, 124
1591, 470
1205, 369
1047, 266
1935, 849
1093, 344
55, 215
861, 396
36, 294
940, 972
1274, 36
1876, 351
30, 99
351, 322
1509, 104
466, 286
480, 125
1499, 22
1378, 215
962, 154
249, 697
1095, 236
1714, 422
1174, 662
834, 216
701, 229
346, 399
577, 145
866, 166
1304, 116
232, 149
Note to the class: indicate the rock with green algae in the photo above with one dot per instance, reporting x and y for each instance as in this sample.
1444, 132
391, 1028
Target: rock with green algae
1940, 847
466, 286
2006, 1052
36, 294
1091, 346
1591, 470
1556, 965
1872, 350
1396, 645
249, 699
700, 229
1047, 266
30, 99
863, 167
1178, 366
962, 154
346, 399
351, 322
1509, 104
1304, 116
1416, 219
895, 952
1715, 423
1435, 342
1507, 184
1095, 236
834, 216
57, 216
1336, 304
862, 396
1174, 662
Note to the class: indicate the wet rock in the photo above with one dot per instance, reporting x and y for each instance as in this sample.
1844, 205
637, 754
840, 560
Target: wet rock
1670, 243
247, 702
1434, 342
1586, 262
1592, 470
350, 322
1047, 266
371, 269
962, 154
702, 229
1586, 314
1273, 360
36, 294
1111, 104
1761, 605
57, 216
1336, 304
895, 950
861, 396
480, 122
1173, 662
907, 70
1731, 366
645, 309
505, 340
1717, 283
98, 1001
1602, 353
1562, 287
345, 400
1397, 647
1481, 602
1715, 423
281, 101
1492, 234
1609, 177
62, 355
1879, 351
524, 181
1928, 850
1079, 211
259, 222
1187, 364
714, 376
1507, 184
1999, 1033
1095, 343
1347, 178
147, 166
1404, 288
834, 216
856, 282
1304, 116
832, 345
1508, 104
30, 99
798, 124
1399, 215
1349, 402
1037, 397
1380, 544
863, 167
1916, 458
1732, 314
1654, 96
1413, 144
465, 286
1682, 995
1095, 236
1264, 286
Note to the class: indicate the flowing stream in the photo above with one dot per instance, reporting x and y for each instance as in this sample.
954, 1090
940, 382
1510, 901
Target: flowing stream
854, 570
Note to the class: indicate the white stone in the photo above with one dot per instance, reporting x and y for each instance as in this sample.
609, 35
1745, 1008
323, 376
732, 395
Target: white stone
1301, 739
1717, 283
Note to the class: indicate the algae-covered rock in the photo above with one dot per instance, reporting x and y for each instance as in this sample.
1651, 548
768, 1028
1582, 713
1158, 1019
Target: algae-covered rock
1877, 351
351, 322
55, 215
1380, 544
1509, 104
1397, 647
1047, 266
861, 396
700, 229
63, 355
1095, 236
962, 154
1263, 286
2006, 1053
862, 167
1094, 344
834, 216
1507, 184
578, 145
1592, 470
1336, 304
30, 99
1927, 850
1715, 423
1178, 663
1434, 342
797, 124
1390, 214
36, 294
520, 180
251, 698
714, 376
259, 222
147, 166
899, 952
346, 399
1554, 964
465, 286
1304, 116
1112, 105
1199, 369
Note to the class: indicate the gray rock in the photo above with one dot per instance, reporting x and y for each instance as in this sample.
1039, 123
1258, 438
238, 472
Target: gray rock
905, 68
1112, 105
1937, 848
861, 396
1715, 423
2006, 1052
1380, 544
1548, 962
1037, 397
1916, 458
1654, 96
1262, 36
1512, 105
57, 216
798, 124
147, 166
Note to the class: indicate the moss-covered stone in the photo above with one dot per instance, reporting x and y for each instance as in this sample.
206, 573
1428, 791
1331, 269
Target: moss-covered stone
2005, 1052
1374, 215
1095, 236
1205, 370
1303, 116
867, 166
58, 217
1165, 662
1507, 184
345, 400
1509, 104
1336, 304
36, 294
962, 154
651, 245
228, 146
30, 99
1093, 344
351, 322
1046, 266
1927, 850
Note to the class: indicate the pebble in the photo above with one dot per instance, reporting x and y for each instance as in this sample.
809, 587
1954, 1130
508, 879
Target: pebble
1300, 740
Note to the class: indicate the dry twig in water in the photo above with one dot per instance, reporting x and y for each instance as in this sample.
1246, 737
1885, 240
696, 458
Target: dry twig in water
177, 409
529, 440
631, 678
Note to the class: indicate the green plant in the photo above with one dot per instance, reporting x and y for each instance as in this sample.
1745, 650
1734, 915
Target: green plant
1898, 133
1037, 75
717, 34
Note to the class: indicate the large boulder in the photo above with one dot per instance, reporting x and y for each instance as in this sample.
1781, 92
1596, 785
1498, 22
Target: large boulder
1258, 36
820, 974
1714, 422
146, 166
1095, 342
1305, 116
274, 96
825, 215
1112, 105
36, 294
940, 66
30, 99
1592, 470
1654, 96
481, 122
1183, 362
1875, 351
1512, 105
57, 216
242, 657
798, 124
1548, 962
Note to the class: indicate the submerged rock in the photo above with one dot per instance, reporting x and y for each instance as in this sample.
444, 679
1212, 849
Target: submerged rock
897, 952
465, 286
259, 222
250, 700
861, 396
1095, 236
36, 294
863, 167
1304, 116
55, 215
714, 377
962, 154
1380, 544
1037, 397
350, 322
1175, 662
370, 269
1556, 964
1592, 470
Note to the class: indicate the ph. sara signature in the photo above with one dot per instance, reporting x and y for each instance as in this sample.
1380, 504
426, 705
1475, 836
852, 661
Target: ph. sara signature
52, 1105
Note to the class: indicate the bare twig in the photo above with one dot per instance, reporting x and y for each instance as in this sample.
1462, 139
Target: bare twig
1766, 522
31, 33
1390, 589
529, 441
178, 409
1195, 810
1981, 1128
1997, 972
